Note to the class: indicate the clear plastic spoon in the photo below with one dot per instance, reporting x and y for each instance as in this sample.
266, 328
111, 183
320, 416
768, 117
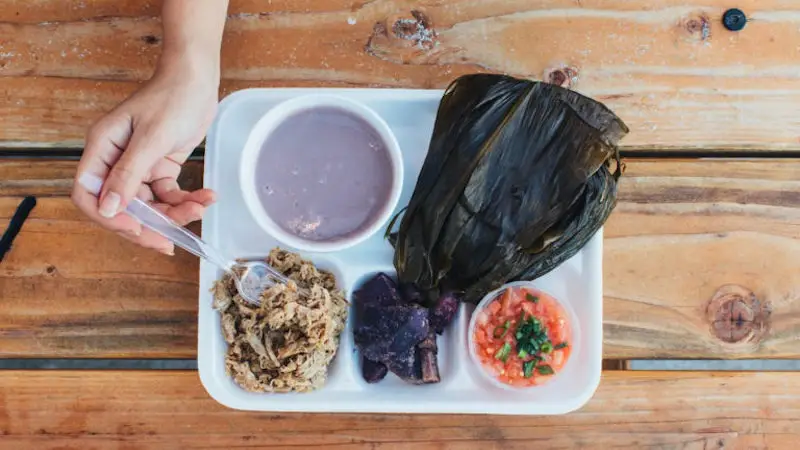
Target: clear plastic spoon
257, 275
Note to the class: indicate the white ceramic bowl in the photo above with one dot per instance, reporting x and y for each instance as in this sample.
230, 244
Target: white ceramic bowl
574, 339
261, 132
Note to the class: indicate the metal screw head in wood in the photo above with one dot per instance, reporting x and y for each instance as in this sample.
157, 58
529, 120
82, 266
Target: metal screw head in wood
734, 19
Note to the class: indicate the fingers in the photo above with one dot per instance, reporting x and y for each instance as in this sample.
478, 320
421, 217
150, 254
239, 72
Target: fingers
103, 143
129, 172
168, 191
183, 214
83, 197
205, 197
108, 178
181, 206
165, 185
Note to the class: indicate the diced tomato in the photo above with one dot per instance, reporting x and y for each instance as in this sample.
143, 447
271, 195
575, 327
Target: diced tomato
506, 305
530, 309
558, 359
497, 325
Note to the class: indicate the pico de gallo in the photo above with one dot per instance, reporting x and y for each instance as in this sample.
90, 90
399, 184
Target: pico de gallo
522, 337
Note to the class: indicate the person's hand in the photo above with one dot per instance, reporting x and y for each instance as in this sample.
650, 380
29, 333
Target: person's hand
139, 147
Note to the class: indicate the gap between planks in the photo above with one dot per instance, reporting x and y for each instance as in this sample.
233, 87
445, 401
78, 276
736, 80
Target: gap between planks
66, 153
149, 364
642, 365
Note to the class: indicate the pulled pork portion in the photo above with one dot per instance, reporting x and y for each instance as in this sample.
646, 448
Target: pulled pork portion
286, 343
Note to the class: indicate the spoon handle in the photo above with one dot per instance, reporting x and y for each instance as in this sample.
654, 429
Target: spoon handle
157, 221
180, 236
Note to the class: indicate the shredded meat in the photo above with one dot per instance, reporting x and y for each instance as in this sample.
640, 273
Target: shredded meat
286, 343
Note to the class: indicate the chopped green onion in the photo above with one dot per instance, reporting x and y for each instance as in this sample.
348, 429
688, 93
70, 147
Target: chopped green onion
527, 368
544, 369
561, 345
532, 298
503, 352
547, 347
522, 354
501, 330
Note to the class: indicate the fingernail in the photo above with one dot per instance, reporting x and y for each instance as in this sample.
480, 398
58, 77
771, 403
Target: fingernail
109, 207
168, 250
91, 182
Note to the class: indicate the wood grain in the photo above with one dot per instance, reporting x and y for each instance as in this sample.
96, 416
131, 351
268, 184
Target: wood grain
108, 409
36, 11
667, 67
71, 289
682, 230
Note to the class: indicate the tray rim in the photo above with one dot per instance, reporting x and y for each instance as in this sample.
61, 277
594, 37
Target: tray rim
209, 382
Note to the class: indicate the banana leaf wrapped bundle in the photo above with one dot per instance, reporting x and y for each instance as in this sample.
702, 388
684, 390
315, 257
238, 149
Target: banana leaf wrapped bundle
519, 176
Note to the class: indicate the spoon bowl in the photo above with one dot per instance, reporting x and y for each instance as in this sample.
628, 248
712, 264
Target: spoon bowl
255, 279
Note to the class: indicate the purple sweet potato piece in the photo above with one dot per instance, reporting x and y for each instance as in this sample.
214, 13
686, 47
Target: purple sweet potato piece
378, 290
372, 371
392, 334
404, 365
444, 311
381, 332
418, 365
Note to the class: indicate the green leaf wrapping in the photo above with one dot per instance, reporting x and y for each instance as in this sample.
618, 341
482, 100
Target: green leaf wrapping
516, 180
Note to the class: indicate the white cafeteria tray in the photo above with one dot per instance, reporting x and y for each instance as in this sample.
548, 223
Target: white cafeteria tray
229, 226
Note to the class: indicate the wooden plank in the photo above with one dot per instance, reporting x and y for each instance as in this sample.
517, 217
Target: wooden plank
37, 11
71, 289
668, 67
682, 230
165, 409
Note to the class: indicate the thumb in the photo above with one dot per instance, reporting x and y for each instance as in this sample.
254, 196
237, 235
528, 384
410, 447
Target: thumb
127, 175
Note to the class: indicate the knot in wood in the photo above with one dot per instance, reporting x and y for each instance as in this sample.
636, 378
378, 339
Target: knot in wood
404, 39
151, 39
737, 316
565, 77
418, 30
698, 26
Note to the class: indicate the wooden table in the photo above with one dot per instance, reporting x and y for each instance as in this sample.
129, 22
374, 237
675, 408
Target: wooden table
702, 255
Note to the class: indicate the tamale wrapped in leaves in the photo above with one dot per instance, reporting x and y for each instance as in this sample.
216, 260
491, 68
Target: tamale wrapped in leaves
517, 179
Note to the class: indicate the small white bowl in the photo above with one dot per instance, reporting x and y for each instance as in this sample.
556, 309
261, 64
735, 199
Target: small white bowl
575, 337
261, 132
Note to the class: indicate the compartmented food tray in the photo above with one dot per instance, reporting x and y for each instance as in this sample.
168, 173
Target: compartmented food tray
228, 226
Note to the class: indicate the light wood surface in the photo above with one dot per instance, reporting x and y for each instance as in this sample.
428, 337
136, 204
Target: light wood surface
71, 289
682, 230
667, 67
700, 256
170, 409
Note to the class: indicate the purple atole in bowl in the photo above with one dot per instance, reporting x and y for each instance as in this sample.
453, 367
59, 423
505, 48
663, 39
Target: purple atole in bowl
321, 173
